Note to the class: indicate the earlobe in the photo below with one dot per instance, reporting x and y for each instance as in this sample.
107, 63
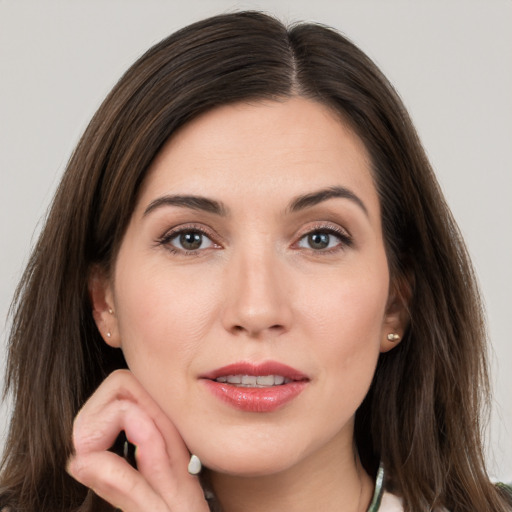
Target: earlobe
390, 341
397, 316
103, 312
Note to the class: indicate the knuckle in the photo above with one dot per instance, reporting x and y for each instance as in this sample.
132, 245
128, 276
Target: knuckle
85, 440
120, 377
77, 469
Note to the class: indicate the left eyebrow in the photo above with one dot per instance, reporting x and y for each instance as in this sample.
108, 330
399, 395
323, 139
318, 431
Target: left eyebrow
188, 201
314, 198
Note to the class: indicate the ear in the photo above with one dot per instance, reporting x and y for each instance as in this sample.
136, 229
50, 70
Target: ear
396, 318
102, 299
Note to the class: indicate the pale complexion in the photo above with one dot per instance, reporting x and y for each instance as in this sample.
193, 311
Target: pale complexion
257, 273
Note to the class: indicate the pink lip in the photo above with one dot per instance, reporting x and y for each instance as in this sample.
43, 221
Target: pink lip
256, 399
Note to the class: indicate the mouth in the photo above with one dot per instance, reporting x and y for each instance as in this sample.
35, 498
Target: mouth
249, 387
254, 381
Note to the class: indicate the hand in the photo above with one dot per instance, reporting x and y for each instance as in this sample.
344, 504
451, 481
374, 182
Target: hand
161, 482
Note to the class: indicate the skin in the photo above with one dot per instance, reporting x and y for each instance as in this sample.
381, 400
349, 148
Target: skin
256, 289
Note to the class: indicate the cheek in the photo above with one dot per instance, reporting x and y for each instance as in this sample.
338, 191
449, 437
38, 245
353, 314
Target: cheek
163, 317
346, 326
347, 309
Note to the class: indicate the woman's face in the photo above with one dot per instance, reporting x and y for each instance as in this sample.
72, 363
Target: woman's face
255, 249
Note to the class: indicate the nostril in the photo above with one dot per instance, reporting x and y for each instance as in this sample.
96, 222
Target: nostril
276, 328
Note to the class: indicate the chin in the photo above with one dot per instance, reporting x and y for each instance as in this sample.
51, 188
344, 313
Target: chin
250, 459
250, 467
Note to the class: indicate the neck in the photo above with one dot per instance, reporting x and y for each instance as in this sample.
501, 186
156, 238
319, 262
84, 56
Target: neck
330, 480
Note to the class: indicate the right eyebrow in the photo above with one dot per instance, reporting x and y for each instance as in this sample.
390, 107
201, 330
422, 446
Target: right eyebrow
188, 201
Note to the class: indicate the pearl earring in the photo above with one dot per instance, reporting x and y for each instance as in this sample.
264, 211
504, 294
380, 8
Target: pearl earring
393, 336
194, 466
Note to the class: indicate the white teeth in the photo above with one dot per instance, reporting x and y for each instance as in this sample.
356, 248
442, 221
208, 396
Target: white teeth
253, 381
267, 380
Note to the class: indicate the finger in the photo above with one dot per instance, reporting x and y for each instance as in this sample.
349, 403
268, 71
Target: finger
122, 384
167, 478
97, 431
112, 477
114, 480
170, 481
106, 414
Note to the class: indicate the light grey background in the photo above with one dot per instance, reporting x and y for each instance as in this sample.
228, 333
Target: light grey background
450, 61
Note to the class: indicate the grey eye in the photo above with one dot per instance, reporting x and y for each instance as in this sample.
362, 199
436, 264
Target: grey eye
319, 240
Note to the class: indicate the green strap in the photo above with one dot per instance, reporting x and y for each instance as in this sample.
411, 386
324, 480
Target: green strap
506, 487
379, 489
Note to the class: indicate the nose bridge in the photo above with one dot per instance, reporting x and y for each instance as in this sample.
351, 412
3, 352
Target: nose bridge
257, 299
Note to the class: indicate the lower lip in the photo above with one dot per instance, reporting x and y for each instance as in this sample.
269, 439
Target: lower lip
256, 399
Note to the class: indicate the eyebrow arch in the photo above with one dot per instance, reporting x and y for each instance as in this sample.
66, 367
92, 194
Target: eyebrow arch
188, 201
314, 198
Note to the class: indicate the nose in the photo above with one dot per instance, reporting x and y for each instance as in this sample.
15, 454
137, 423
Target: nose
258, 296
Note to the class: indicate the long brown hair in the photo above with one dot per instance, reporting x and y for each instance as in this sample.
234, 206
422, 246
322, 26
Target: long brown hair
421, 416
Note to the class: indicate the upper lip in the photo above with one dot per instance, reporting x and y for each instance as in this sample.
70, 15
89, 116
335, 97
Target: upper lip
256, 369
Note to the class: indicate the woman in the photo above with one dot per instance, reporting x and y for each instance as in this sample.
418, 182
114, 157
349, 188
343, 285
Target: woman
248, 260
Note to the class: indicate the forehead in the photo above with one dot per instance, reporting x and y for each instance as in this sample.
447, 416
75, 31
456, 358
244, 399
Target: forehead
262, 149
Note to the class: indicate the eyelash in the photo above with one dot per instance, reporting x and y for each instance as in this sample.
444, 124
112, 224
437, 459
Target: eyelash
345, 240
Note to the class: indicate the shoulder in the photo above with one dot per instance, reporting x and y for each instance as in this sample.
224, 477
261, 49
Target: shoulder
390, 503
